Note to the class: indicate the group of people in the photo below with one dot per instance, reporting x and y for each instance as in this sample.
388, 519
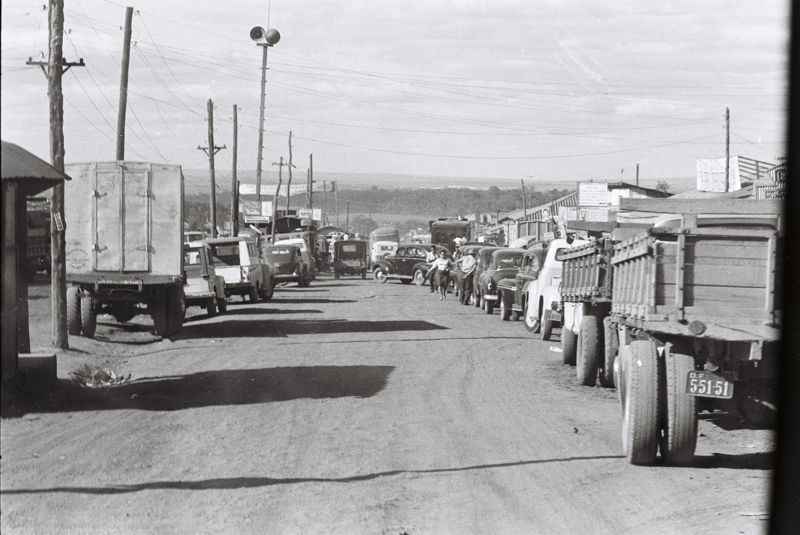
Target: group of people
460, 269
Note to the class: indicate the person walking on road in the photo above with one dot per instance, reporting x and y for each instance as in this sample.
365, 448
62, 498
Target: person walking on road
430, 257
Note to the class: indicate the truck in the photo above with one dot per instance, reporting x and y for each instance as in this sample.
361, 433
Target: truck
383, 241
684, 316
124, 244
444, 231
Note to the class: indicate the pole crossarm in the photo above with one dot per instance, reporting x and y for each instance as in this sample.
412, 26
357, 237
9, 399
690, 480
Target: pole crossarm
64, 64
217, 148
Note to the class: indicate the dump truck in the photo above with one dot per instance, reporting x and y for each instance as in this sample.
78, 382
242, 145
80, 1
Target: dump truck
681, 317
124, 244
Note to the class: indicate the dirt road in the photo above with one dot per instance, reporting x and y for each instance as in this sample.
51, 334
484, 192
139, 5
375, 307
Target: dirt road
352, 407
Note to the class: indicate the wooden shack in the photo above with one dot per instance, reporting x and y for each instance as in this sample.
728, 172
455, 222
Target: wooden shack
23, 175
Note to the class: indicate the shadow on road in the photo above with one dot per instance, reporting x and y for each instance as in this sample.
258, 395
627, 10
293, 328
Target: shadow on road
310, 301
732, 420
233, 328
754, 461
218, 387
231, 483
236, 311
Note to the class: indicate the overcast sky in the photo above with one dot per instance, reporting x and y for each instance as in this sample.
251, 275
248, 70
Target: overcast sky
536, 88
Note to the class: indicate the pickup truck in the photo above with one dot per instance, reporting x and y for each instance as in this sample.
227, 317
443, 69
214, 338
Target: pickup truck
238, 261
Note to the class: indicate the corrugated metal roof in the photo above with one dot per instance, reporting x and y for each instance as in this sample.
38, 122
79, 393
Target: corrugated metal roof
32, 172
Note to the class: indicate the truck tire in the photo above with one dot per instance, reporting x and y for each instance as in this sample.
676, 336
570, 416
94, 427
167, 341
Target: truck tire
88, 315
569, 341
159, 311
547, 325
222, 304
363, 274
679, 423
380, 275
488, 307
610, 350
505, 310
641, 407
74, 310
253, 295
177, 309
587, 359
211, 307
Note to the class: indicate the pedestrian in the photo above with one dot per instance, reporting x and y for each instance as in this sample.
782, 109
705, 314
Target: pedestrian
430, 257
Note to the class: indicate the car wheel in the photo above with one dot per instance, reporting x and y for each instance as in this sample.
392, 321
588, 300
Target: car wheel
419, 278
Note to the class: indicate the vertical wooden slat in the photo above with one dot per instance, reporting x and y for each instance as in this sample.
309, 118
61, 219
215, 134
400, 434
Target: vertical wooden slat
769, 301
8, 364
680, 267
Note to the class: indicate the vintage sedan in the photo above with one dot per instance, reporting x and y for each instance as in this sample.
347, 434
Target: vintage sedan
237, 259
203, 287
504, 263
350, 257
308, 265
403, 264
514, 290
543, 304
484, 257
286, 263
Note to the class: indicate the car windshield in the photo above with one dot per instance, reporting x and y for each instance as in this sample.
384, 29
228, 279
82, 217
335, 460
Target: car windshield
226, 254
506, 260
191, 257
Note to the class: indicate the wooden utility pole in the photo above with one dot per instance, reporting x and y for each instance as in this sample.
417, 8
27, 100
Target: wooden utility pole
234, 177
310, 188
524, 199
56, 67
210, 151
280, 165
123, 84
637, 174
324, 201
289, 182
347, 216
335, 200
727, 149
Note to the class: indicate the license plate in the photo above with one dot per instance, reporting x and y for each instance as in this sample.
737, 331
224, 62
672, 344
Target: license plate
708, 385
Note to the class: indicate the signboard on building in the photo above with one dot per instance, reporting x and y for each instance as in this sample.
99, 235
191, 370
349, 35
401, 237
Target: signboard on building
593, 194
592, 213
711, 175
304, 213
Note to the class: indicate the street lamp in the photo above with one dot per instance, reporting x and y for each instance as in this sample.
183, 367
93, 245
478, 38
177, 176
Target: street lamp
264, 39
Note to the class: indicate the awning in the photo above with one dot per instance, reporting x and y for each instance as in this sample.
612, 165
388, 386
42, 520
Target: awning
34, 174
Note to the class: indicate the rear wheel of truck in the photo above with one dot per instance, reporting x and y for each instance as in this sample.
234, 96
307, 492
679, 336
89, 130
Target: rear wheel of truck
489, 307
569, 342
211, 307
159, 311
610, 350
547, 324
177, 309
222, 305
640, 416
505, 310
74, 310
588, 351
253, 295
88, 315
679, 423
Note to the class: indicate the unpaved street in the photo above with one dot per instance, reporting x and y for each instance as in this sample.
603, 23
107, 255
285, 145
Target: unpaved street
353, 407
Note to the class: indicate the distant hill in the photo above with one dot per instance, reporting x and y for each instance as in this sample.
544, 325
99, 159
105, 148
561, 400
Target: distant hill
197, 181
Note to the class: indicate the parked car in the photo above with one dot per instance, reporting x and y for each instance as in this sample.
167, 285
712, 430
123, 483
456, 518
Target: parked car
504, 263
285, 262
203, 287
484, 257
543, 304
308, 264
238, 261
350, 258
402, 266
514, 290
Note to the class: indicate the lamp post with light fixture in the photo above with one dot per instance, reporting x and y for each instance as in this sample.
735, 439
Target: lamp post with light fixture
264, 39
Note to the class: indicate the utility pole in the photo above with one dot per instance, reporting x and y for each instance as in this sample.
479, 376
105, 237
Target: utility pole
123, 84
280, 165
234, 177
637, 174
335, 200
56, 67
289, 182
347, 216
524, 199
727, 149
324, 201
210, 151
310, 188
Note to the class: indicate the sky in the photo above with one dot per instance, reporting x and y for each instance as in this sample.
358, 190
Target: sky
540, 89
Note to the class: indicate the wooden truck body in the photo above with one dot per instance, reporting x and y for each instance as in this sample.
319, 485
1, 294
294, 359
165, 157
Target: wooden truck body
124, 243
682, 316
